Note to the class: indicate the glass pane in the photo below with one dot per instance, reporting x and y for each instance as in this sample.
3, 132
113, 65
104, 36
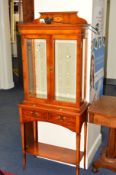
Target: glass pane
83, 69
29, 65
65, 70
36, 63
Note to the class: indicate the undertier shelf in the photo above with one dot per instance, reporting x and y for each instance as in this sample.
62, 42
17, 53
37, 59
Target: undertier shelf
53, 152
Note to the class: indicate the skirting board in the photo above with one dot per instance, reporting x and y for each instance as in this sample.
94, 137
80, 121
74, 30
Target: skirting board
90, 155
109, 81
7, 86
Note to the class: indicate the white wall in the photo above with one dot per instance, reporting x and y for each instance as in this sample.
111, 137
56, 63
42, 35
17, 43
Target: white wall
64, 5
111, 60
6, 77
52, 134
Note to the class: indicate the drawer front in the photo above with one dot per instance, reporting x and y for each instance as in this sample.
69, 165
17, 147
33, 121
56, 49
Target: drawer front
67, 121
32, 115
101, 120
105, 121
63, 120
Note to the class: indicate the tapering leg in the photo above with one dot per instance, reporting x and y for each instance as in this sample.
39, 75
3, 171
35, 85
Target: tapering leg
85, 142
35, 131
77, 152
23, 159
23, 145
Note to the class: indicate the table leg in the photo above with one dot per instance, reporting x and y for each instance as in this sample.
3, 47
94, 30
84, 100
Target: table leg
22, 126
108, 156
77, 152
35, 131
85, 142
111, 148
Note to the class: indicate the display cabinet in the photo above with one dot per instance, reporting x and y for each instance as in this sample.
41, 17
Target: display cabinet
54, 69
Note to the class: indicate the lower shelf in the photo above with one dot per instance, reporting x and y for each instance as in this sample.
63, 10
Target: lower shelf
54, 153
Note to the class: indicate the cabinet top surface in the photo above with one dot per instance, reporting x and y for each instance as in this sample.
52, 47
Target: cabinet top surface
106, 105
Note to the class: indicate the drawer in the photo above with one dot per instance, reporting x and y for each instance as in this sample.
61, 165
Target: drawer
34, 115
63, 120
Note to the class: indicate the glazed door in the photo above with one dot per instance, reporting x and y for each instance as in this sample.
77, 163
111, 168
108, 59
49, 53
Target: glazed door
36, 66
67, 63
53, 69
65, 70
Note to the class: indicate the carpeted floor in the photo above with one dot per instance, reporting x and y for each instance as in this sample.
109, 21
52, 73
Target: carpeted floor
10, 144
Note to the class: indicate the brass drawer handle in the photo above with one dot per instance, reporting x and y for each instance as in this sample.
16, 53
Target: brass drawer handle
60, 117
34, 113
31, 112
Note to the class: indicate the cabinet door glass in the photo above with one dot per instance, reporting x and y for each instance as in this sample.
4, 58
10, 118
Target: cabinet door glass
65, 70
36, 64
83, 70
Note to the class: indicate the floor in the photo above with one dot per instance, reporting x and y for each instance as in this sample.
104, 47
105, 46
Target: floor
10, 143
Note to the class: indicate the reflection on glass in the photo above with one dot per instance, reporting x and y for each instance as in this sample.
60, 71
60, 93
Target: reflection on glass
36, 62
65, 70
29, 65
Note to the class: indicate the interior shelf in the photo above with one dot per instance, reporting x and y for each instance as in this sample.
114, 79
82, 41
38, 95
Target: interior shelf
54, 153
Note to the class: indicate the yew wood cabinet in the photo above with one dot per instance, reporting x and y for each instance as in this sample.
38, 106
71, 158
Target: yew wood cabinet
54, 69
